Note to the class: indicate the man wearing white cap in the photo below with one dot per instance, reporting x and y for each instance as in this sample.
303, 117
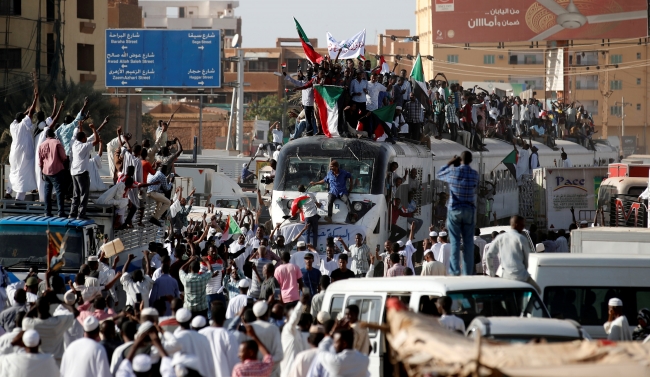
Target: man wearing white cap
268, 334
442, 253
51, 329
30, 363
86, 357
298, 258
193, 343
236, 304
432, 267
617, 327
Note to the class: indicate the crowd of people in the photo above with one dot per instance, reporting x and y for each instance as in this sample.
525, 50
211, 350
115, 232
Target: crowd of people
467, 115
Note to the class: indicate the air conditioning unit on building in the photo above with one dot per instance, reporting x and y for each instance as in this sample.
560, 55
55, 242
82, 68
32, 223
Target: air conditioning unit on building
500, 57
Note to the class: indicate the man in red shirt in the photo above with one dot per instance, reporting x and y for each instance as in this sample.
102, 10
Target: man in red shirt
51, 156
250, 366
290, 278
397, 232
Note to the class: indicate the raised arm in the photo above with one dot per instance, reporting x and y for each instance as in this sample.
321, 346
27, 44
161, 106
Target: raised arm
412, 234
32, 108
54, 103
55, 118
345, 247
96, 137
105, 122
170, 120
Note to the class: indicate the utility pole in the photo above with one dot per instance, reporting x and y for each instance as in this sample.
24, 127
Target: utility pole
606, 92
241, 64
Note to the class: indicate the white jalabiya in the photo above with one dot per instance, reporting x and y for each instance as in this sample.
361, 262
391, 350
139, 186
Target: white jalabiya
95, 165
29, 365
224, 346
193, 343
21, 156
85, 358
292, 340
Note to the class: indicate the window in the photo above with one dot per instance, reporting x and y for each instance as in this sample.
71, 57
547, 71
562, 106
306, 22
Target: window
588, 305
10, 58
229, 32
172, 12
513, 59
263, 65
615, 111
303, 170
369, 310
496, 303
638, 81
615, 59
15, 237
86, 9
488, 59
638, 106
530, 59
10, 7
336, 306
49, 10
638, 55
85, 57
616, 85
452, 58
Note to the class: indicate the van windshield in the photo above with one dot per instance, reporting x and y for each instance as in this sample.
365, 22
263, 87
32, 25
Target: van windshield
28, 243
497, 303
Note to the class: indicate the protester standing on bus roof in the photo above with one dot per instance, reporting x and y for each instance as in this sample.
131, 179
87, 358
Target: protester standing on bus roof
337, 179
463, 182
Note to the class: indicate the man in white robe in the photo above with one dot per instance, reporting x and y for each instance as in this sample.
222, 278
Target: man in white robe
86, 357
269, 335
293, 341
193, 343
223, 344
22, 156
617, 327
51, 329
30, 363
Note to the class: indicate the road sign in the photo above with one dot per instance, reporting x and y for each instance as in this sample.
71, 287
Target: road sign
143, 58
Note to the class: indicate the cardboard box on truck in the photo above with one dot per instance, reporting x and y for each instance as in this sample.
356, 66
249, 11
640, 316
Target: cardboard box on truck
559, 189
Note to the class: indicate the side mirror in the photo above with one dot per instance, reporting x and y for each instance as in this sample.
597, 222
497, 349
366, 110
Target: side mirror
539, 248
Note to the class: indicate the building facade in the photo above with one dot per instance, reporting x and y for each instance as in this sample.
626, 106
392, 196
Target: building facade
608, 77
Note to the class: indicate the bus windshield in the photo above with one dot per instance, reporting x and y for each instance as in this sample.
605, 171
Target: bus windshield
301, 171
28, 243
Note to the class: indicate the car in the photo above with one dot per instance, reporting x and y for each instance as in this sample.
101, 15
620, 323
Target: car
524, 330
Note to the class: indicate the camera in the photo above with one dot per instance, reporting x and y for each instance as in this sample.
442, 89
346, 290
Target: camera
267, 180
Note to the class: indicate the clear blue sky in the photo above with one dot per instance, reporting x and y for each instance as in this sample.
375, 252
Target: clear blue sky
265, 20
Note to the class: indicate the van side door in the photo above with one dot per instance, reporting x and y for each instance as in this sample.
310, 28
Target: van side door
372, 309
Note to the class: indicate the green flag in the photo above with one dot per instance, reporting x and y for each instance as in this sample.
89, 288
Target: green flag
419, 86
510, 161
417, 73
386, 113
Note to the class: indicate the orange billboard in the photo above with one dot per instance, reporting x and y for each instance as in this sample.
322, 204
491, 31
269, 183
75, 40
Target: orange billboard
463, 21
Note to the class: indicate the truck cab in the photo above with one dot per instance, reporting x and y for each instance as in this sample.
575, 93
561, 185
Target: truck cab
24, 242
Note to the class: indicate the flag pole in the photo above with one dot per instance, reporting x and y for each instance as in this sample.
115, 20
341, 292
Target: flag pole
496, 167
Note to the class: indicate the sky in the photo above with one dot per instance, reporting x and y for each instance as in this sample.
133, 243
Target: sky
265, 20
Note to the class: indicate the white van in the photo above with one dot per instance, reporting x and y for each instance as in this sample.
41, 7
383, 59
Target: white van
578, 286
471, 295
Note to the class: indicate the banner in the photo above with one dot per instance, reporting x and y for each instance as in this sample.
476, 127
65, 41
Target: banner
350, 49
456, 21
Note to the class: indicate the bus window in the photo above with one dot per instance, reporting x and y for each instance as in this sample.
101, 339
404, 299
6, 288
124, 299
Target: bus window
427, 305
336, 306
369, 310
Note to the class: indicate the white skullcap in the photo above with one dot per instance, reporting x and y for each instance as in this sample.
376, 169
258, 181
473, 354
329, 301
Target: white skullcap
260, 308
142, 363
212, 232
149, 312
615, 302
144, 328
279, 147
244, 283
433, 234
199, 322
323, 317
400, 243
398, 107
301, 244
31, 338
92, 259
428, 251
90, 324
183, 315
583, 222
243, 165
442, 234
219, 234
70, 297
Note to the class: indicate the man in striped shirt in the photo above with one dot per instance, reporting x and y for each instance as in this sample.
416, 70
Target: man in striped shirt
250, 366
157, 184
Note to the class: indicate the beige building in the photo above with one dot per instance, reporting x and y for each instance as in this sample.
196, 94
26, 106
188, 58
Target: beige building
74, 50
598, 74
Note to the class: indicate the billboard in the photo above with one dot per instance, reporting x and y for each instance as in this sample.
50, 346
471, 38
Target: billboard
462, 21
163, 58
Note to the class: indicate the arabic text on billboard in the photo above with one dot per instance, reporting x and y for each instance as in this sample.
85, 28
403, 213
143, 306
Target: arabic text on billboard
456, 21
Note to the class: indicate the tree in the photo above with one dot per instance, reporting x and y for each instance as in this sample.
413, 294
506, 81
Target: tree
268, 108
148, 127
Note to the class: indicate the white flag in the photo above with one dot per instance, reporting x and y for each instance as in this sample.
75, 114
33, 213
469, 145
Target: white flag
350, 48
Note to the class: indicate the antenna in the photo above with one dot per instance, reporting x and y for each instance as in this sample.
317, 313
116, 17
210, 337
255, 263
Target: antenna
235, 41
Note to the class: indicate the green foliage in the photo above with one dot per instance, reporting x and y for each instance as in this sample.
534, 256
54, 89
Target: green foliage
268, 108
73, 95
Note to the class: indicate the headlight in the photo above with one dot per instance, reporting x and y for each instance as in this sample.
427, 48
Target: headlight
358, 206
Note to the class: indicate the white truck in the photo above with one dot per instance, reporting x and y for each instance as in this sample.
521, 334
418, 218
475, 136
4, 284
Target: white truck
611, 240
559, 189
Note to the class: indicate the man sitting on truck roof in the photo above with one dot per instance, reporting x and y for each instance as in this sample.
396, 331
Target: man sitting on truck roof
158, 184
